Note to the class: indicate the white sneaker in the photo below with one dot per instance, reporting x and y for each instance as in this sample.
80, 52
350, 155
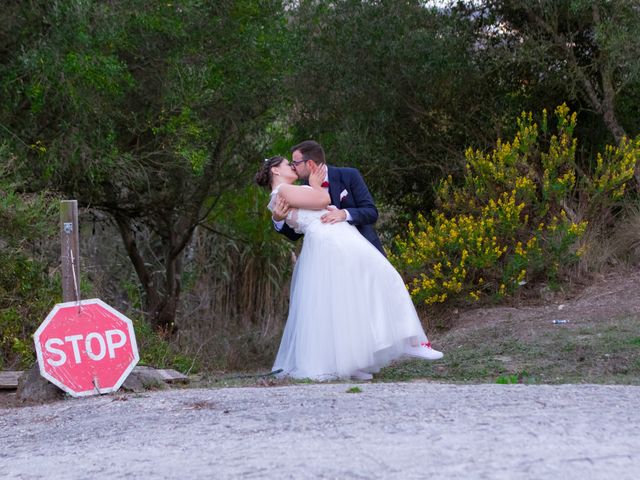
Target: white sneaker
423, 350
360, 375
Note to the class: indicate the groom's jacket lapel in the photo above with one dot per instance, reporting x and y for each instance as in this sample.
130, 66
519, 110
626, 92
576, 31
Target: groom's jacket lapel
360, 204
335, 186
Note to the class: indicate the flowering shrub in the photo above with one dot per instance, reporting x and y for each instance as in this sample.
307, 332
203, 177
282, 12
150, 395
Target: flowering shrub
518, 214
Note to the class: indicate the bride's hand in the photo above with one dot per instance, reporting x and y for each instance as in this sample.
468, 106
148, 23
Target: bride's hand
317, 176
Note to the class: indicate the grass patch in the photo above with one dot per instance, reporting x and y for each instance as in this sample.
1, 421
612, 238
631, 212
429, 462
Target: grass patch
507, 379
157, 350
587, 351
522, 377
354, 390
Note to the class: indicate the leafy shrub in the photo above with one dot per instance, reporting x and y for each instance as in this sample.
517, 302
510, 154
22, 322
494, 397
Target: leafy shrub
156, 349
518, 214
27, 291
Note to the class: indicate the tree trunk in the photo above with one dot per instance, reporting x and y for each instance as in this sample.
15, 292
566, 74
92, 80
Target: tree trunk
153, 301
604, 102
611, 120
162, 315
162, 296
607, 105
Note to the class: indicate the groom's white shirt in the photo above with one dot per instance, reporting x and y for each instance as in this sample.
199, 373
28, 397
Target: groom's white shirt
279, 224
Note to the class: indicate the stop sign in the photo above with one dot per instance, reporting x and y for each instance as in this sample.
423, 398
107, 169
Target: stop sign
86, 347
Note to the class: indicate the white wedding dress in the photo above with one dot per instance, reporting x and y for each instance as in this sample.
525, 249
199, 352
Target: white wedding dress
349, 308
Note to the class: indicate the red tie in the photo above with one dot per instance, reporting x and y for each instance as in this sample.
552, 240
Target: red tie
325, 185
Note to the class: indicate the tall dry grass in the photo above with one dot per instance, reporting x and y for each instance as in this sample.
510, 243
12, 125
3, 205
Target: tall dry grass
236, 303
614, 243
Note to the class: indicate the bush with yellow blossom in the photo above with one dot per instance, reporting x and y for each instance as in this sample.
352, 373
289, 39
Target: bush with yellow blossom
518, 214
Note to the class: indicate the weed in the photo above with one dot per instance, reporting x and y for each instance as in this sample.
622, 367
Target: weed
506, 379
156, 350
522, 377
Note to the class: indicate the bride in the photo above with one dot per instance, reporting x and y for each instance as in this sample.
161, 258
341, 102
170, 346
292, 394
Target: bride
349, 312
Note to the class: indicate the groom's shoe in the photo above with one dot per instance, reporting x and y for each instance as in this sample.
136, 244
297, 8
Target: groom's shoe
423, 350
360, 375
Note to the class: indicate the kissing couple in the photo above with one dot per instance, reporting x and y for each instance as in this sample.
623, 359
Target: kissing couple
349, 313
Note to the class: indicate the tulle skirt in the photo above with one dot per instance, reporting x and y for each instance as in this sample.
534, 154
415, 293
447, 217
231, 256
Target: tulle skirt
349, 308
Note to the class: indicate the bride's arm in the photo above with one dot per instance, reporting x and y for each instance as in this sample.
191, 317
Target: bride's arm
312, 196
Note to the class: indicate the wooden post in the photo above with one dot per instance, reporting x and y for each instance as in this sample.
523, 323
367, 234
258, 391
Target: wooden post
32, 386
70, 250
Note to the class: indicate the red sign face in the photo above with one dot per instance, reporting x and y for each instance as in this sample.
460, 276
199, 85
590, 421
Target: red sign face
86, 348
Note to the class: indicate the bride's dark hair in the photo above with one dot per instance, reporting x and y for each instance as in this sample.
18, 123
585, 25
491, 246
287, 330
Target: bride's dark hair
264, 175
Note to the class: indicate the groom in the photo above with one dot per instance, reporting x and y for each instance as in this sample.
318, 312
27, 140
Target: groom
350, 199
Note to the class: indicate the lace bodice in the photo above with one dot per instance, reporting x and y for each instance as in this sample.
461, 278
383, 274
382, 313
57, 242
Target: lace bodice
300, 219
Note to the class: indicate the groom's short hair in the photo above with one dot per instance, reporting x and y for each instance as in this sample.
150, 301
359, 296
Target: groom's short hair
310, 150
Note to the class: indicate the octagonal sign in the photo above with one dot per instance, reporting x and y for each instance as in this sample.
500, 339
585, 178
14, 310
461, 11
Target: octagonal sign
86, 347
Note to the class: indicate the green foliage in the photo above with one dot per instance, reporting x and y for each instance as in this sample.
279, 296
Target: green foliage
157, 350
146, 111
515, 217
507, 379
580, 51
354, 390
141, 93
24, 217
393, 89
247, 244
400, 89
26, 296
244, 215
522, 377
27, 291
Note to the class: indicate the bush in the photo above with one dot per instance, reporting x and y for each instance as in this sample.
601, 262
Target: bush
157, 350
517, 216
27, 291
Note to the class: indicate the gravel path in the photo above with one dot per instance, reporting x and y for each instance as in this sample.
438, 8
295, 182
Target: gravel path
389, 430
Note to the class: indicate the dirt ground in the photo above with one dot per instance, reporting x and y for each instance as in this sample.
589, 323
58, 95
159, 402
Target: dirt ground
609, 296
588, 335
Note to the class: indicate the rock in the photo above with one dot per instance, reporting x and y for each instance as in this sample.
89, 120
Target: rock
143, 378
33, 388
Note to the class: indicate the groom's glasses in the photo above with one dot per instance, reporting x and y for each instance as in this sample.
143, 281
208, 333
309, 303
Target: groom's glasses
295, 164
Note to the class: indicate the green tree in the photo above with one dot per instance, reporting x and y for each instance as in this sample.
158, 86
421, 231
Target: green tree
581, 51
400, 89
149, 111
393, 88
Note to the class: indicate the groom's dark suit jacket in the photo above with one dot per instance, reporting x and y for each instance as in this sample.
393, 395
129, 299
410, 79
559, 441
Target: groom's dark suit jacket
348, 183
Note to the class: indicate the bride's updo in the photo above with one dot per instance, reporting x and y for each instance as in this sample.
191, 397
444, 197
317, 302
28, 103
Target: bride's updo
264, 175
